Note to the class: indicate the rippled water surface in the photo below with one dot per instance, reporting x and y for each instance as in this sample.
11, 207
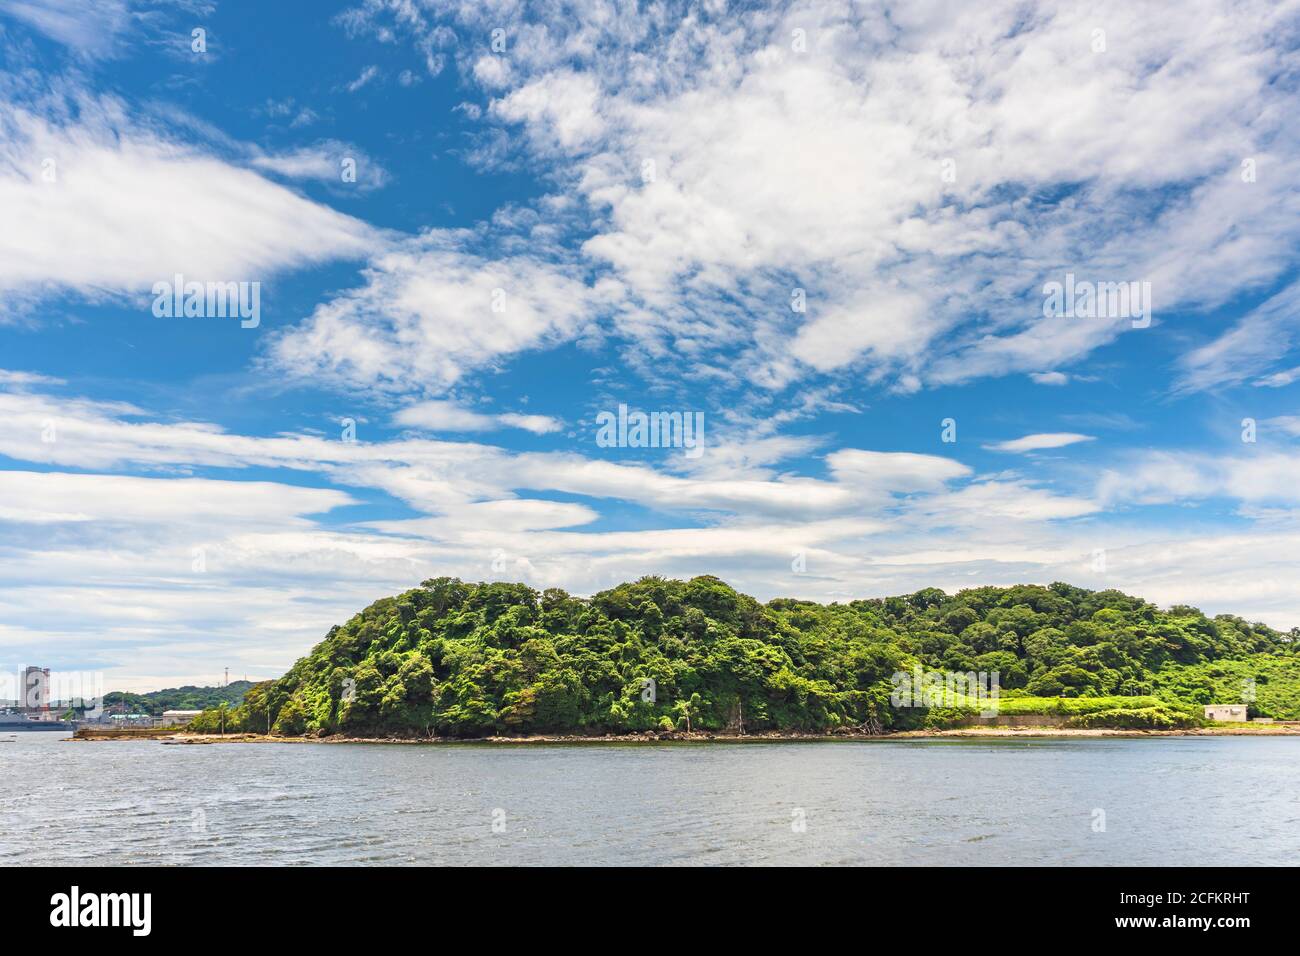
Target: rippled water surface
1187, 800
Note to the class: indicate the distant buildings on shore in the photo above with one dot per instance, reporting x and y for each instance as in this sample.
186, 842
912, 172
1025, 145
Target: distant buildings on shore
1230, 712
30, 709
33, 695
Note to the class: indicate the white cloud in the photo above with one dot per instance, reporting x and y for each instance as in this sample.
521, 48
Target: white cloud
326, 162
89, 29
1279, 379
483, 520
1040, 441
1287, 424
99, 205
561, 107
287, 108
367, 19
537, 424
908, 170
429, 312
16, 380
884, 322
1254, 344
886, 472
45, 497
1256, 477
364, 78
987, 501
450, 417
1050, 378
746, 456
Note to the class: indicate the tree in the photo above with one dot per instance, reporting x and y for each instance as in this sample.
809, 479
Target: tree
683, 709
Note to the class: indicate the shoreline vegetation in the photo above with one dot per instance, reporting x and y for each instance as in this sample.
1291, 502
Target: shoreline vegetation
667, 659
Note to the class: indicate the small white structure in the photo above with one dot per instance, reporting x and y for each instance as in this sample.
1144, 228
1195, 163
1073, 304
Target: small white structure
1234, 712
172, 717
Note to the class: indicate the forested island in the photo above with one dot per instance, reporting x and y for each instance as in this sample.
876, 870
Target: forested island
461, 660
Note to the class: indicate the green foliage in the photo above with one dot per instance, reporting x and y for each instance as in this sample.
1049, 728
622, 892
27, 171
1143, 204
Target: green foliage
1269, 683
456, 659
937, 718
1136, 718
179, 698
1071, 706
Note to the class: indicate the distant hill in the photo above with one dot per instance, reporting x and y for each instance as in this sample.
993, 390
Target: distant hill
180, 698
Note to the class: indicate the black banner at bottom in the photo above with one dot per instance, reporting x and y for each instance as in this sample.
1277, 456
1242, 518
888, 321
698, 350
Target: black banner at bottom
186, 907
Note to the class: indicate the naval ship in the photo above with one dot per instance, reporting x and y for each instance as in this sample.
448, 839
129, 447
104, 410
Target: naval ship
10, 721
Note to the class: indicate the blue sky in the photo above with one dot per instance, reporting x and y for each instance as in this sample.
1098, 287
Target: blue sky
559, 208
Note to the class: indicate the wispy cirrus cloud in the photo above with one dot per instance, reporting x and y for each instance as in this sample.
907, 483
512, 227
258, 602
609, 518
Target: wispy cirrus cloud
1256, 343
917, 178
98, 204
90, 30
367, 76
1040, 442
328, 161
449, 417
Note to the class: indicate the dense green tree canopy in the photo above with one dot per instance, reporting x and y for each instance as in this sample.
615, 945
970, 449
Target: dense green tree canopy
456, 659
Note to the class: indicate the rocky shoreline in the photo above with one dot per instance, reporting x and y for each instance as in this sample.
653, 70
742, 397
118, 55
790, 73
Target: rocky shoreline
1243, 730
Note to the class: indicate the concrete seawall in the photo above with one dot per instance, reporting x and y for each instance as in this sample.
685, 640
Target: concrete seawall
1015, 720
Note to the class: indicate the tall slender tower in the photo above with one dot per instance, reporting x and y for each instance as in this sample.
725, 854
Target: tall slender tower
35, 689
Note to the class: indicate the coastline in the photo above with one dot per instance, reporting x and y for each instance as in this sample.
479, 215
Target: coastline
993, 733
